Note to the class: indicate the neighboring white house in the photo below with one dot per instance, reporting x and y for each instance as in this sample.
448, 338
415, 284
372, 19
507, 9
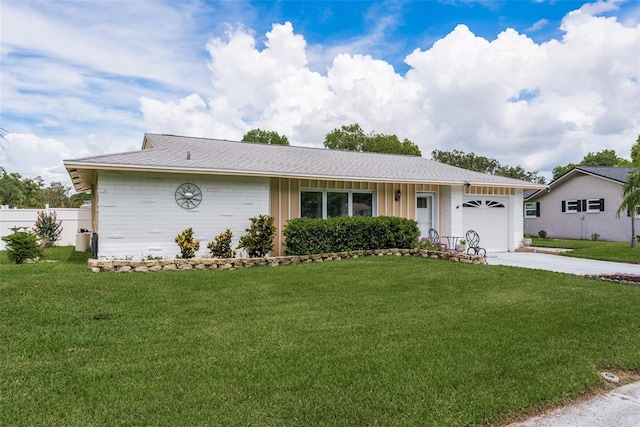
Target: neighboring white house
581, 204
141, 200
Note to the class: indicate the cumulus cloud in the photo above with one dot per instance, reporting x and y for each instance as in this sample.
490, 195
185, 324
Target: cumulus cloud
534, 104
41, 153
95, 85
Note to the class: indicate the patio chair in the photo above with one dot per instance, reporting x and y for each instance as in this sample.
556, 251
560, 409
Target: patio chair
434, 238
473, 240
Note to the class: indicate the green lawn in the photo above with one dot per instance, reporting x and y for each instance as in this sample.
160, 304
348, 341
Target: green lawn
371, 341
590, 249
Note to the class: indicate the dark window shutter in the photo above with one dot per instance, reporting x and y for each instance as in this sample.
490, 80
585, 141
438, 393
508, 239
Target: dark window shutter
537, 208
564, 206
579, 203
601, 205
584, 205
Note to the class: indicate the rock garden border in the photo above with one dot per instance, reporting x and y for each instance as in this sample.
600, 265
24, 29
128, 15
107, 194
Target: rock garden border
144, 266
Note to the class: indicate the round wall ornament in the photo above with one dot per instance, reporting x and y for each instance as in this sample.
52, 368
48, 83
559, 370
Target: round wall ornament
188, 195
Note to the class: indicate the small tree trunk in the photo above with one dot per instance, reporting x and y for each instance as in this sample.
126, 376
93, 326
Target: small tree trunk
633, 231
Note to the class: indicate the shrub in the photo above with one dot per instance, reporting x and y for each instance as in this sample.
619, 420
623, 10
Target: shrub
21, 245
187, 244
48, 228
221, 246
542, 234
258, 241
305, 236
595, 236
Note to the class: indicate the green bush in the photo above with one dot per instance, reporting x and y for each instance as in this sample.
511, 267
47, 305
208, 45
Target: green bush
306, 236
21, 245
188, 246
48, 228
258, 241
542, 234
220, 247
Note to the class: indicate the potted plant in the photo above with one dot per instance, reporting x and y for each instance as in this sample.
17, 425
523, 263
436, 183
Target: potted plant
461, 246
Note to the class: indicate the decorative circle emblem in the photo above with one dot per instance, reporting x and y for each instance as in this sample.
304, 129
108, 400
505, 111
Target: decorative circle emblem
188, 195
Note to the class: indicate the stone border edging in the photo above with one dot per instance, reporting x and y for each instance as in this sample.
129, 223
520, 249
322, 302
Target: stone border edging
128, 266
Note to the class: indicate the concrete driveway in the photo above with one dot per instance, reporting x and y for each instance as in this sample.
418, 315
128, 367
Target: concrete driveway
618, 408
561, 264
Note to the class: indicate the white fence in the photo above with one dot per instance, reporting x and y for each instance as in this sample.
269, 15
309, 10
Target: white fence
73, 220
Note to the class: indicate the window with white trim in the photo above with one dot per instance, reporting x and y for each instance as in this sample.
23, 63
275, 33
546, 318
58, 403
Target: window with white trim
583, 205
595, 205
571, 206
532, 209
332, 203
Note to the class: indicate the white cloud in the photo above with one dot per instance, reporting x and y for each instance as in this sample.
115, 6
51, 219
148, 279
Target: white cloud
461, 93
538, 25
95, 85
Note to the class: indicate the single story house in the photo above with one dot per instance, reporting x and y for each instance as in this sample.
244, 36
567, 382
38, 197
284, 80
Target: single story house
581, 204
141, 200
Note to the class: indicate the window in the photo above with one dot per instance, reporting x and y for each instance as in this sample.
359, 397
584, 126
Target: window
494, 204
571, 206
311, 204
595, 205
362, 204
337, 204
532, 209
583, 205
329, 203
472, 204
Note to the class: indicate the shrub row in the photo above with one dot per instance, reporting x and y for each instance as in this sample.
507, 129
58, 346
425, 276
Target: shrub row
306, 236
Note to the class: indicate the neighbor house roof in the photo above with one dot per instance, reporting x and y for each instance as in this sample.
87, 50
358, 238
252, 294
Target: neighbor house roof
609, 173
180, 154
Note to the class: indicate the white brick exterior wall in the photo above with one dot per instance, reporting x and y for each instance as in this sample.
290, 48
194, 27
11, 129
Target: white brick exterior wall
139, 217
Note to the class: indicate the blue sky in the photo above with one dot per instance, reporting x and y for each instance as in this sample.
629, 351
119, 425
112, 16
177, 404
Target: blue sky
531, 83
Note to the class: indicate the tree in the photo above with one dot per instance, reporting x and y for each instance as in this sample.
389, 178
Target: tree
19, 192
265, 137
601, 158
631, 200
353, 138
485, 165
635, 153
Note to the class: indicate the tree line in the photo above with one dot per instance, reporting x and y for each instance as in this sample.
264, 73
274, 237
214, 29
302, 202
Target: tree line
353, 138
27, 193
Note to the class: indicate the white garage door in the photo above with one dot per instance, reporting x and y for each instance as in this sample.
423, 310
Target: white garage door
489, 217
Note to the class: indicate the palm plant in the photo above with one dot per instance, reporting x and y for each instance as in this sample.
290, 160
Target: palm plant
631, 200
3, 139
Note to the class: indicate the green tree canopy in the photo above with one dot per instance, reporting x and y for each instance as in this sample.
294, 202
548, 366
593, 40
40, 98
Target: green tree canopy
483, 164
26, 193
265, 137
353, 138
635, 153
601, 158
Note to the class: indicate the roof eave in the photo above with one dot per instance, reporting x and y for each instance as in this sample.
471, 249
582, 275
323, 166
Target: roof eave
75, 168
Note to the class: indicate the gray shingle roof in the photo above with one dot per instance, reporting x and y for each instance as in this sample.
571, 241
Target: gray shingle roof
613, 173
179, 153
610, 172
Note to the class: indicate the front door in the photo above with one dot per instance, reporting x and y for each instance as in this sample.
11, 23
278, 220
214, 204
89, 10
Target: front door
425, 213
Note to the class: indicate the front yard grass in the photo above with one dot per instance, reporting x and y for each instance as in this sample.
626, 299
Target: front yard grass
594, 249
372, 341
